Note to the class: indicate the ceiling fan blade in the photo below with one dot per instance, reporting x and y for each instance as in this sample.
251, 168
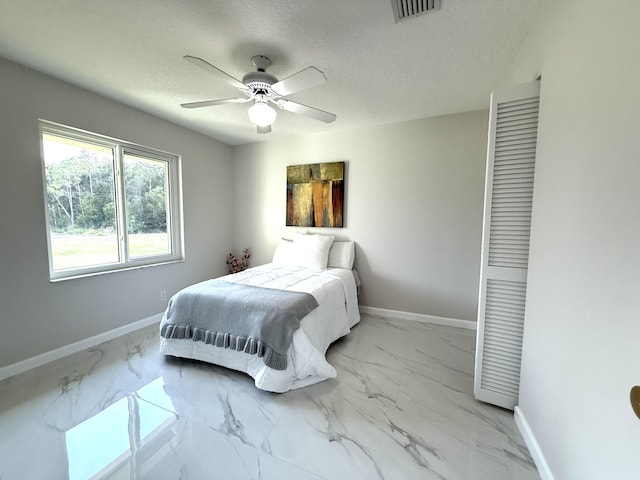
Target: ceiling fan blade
266, 129
209, 103
309, 77
198, 62
306, 110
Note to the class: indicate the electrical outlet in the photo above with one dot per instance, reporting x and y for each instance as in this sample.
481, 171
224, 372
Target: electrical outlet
163, 295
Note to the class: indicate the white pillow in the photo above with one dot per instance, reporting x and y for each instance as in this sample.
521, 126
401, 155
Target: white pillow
342, 255
312, 251
283, 255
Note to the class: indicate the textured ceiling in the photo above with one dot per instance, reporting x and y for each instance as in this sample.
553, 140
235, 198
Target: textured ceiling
378, 71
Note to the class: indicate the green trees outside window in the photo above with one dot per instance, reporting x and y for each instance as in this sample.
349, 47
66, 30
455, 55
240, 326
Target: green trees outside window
108, 203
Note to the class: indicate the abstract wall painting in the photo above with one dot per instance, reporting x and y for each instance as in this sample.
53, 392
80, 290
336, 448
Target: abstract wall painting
315, 195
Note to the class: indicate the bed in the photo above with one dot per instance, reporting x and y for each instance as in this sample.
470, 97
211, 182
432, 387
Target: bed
311, 289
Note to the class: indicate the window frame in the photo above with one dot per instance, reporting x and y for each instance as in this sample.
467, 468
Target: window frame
120, 148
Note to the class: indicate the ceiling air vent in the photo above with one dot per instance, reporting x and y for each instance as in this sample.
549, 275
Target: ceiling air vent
403, 9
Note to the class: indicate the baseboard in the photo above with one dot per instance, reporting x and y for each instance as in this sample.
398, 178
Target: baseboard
58, 353
418, 317
532, 444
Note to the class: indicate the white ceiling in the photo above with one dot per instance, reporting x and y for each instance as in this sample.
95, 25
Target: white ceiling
378, 71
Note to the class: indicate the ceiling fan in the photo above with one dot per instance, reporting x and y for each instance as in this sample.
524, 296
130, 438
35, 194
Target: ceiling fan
262, 88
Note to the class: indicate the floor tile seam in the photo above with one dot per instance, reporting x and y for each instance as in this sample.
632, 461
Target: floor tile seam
111, 392
257, 450
261, 450
463, 431
279, 458
263, 439
154, 404
51, 378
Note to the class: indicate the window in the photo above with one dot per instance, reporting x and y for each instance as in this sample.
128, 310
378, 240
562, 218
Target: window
111, 205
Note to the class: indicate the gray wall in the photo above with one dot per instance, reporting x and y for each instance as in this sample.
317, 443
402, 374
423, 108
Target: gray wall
37, 316
582, 325
414, 196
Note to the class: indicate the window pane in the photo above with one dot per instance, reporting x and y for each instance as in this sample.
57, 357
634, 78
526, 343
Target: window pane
81, 203
146, 198
110, 204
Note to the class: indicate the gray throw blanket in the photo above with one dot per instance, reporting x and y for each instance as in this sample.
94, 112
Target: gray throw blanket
254, 320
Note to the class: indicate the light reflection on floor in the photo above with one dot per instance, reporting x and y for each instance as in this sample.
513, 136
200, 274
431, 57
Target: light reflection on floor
122, 435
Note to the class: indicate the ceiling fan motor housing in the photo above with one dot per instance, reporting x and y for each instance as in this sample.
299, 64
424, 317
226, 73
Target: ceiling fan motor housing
259, 81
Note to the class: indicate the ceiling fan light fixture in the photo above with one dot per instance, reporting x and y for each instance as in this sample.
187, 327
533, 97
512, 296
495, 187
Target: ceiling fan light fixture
262, 114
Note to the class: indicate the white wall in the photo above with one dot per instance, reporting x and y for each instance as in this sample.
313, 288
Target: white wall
37, 316
582, 324
413, 204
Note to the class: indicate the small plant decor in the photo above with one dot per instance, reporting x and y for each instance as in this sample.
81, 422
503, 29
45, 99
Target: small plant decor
238, 264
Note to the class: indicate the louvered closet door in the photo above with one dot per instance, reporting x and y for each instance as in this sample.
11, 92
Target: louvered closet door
513, 126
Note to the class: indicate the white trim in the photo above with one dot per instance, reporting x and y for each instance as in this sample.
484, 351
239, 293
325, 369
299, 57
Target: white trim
418, 317
58, 353
532, 444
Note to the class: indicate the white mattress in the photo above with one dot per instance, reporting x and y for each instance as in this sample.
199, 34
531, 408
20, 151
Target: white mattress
335, 291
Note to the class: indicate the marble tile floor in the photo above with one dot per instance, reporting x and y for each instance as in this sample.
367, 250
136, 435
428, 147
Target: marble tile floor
401, 408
